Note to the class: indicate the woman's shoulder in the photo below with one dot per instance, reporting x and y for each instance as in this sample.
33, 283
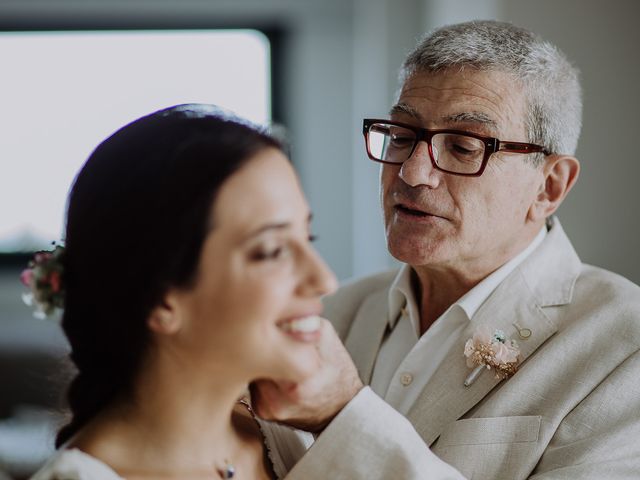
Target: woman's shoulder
72, 464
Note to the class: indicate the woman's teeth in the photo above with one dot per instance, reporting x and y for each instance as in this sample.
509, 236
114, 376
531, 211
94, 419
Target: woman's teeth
302, 325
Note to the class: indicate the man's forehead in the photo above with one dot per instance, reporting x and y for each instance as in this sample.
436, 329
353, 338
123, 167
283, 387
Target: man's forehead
490, 102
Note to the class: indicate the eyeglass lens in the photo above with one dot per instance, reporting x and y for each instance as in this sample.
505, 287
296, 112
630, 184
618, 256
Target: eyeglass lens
452, 152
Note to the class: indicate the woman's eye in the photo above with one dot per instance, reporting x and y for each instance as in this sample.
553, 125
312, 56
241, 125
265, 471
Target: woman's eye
268, 254
273, 254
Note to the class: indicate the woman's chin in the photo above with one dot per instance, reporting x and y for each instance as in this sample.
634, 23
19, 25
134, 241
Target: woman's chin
299, 367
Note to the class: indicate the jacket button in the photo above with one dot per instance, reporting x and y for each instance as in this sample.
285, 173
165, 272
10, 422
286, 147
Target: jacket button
406, 379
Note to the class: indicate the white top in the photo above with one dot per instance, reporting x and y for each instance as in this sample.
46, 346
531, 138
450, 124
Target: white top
406, 361
72, 464
284, 448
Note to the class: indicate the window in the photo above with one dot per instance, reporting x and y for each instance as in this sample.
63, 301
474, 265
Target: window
64, 92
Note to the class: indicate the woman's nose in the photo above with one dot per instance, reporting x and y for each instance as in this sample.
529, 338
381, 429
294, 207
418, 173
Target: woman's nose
319, 279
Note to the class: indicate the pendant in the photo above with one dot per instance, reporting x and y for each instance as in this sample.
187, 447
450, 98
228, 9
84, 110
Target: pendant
228, 471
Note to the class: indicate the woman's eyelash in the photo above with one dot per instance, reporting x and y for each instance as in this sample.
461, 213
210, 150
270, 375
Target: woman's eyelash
275, 253
267, 254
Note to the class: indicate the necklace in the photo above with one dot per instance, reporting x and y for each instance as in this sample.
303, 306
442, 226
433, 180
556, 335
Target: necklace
228, 471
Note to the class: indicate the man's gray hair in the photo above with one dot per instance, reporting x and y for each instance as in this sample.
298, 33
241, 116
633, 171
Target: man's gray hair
552, 88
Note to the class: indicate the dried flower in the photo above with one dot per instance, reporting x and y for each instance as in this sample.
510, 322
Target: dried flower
44, 278
491, 351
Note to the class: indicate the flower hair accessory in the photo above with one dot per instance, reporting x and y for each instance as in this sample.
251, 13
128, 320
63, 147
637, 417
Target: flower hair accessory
44, 279
487, 351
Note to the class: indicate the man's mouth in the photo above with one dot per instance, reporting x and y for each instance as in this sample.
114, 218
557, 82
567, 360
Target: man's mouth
413, 210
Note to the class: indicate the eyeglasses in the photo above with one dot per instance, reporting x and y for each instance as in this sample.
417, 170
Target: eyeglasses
451, 151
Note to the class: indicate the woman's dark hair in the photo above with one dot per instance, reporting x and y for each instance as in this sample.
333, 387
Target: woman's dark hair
138, 215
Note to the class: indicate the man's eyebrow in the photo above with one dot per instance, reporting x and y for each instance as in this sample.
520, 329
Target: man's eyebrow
471, 117
464, 117
403, 108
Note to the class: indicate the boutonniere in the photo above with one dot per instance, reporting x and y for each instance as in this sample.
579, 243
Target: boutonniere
492, 352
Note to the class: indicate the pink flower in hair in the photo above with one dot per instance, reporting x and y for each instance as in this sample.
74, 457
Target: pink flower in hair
26, 277
54, 282
44, 278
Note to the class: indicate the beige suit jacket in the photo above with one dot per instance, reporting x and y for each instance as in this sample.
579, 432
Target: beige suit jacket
571, 411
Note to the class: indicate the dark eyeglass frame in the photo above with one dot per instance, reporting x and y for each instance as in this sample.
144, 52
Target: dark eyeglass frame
491, 144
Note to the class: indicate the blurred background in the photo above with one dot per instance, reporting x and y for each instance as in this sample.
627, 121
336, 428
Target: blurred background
72, 72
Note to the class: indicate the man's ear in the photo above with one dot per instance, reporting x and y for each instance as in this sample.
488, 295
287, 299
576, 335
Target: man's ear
559, 174
165, 318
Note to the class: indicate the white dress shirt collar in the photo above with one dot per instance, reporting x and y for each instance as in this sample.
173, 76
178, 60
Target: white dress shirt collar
407, 360
401, 292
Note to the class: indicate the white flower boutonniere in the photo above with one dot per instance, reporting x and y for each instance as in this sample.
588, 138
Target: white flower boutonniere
493, 352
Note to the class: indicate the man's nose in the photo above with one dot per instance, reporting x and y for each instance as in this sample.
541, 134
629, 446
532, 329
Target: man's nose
418, 169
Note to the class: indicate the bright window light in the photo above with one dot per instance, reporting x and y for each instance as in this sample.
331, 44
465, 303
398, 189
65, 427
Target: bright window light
63, 93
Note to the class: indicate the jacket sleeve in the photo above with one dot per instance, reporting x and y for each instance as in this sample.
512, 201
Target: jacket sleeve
599, 438
370, 440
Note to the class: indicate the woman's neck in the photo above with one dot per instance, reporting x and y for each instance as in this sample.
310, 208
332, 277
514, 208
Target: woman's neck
179, 421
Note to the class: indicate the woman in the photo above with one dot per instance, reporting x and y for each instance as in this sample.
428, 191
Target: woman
188, 273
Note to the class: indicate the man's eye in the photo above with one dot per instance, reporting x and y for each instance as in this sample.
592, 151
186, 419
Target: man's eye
463, 149
401, 140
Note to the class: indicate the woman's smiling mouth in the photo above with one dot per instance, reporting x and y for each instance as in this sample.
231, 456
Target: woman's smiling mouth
304, 329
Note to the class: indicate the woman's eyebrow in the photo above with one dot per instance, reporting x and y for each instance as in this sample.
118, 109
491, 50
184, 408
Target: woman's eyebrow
278, 226
266, 227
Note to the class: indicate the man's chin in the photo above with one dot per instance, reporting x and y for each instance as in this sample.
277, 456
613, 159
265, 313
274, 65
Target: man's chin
414, 253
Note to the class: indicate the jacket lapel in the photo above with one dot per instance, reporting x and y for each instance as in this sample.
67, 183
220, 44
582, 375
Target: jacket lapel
445, 398
366, 333
545, 278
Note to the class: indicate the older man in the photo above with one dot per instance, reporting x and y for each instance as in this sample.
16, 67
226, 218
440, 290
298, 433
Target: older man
510, 357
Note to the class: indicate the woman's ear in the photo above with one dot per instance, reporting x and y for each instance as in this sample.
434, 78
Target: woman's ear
165, 318
559, 174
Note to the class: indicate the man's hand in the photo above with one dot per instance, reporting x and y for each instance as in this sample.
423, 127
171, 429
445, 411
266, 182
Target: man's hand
310, 405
